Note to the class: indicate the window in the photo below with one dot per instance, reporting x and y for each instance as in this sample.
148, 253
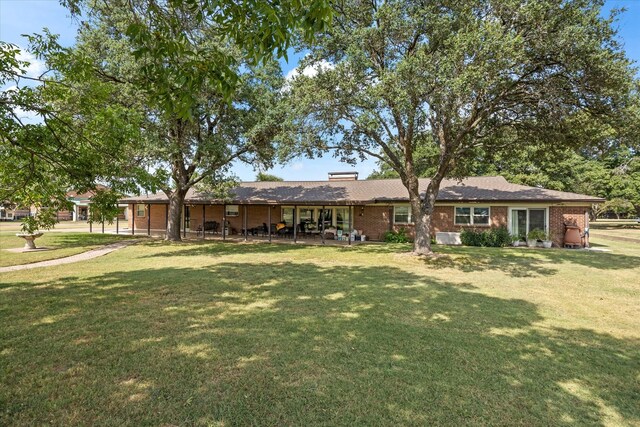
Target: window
463, 216
401, 214
472, 216
481, 216
232, 210
287, 216
306, 215
342, 218
139, 211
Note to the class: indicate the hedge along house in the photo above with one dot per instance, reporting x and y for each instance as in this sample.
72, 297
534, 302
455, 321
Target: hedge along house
343, 206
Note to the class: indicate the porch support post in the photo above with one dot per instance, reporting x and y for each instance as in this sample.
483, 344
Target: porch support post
295, 224
350, 224
133, 219
149, 219
269, 207
322, 220
224, 221
244, 221
166, 217
117, 224
203, 221
184, 221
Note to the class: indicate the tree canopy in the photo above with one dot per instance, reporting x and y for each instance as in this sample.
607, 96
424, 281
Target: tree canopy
454, 82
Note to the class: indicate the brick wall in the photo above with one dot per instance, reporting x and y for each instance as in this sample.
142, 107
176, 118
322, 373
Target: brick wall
559, 215
443, 220
373, 221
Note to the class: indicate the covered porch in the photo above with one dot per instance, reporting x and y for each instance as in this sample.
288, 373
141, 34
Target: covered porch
311, 224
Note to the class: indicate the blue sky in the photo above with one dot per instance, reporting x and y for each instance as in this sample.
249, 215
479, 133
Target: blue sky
30, 16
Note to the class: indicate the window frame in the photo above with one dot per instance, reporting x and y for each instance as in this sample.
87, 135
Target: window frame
144, 210
409, 219
471, 216
228, 213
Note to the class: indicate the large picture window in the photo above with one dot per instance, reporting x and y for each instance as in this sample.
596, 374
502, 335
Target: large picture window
401, 214
468, 215
524, 220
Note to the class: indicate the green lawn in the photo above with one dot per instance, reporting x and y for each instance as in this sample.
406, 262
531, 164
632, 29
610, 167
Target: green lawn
61, 245
257, 334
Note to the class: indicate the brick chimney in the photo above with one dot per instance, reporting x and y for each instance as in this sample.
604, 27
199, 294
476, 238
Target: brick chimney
343, 176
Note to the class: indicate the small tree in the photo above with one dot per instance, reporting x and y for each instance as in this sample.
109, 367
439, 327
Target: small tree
104, 206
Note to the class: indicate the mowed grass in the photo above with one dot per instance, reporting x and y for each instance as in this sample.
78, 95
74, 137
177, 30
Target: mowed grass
59, 244
210, 333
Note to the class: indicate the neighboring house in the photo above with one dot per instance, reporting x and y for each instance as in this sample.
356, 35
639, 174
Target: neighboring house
82, 205
373, 207
9, 212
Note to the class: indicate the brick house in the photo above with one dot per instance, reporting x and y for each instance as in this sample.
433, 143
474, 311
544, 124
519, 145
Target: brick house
345, 206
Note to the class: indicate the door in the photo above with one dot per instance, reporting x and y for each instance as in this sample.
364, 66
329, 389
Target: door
519, 223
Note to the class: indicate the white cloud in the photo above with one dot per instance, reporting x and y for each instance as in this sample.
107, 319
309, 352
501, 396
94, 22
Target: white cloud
297, 166
36, 66
309, 70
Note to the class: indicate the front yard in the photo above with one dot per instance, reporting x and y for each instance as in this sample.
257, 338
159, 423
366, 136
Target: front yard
59, 244
237, 334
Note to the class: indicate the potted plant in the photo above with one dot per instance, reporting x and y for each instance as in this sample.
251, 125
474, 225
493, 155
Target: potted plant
547, 242
515, 241
533, 236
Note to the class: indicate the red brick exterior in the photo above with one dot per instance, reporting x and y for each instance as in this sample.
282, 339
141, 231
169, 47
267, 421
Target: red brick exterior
372, 221
561, 215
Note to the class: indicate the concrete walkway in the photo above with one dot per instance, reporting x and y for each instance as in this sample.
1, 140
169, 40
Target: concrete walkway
94, 253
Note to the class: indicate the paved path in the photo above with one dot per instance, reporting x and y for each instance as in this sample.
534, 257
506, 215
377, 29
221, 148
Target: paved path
94, 253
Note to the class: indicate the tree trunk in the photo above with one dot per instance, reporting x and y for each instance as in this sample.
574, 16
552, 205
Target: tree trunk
422, 214
422, 227
176, 201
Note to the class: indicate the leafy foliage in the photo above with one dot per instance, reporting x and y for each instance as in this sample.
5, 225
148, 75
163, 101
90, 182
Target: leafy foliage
496, 237
536, 234
453, 82
393, 236
262, 176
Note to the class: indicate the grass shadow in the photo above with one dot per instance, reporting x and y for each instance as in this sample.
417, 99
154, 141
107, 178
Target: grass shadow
291, 343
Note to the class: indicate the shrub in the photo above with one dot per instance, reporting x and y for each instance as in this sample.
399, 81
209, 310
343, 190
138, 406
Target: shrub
399, 236
496, 237
471, 238
537, 234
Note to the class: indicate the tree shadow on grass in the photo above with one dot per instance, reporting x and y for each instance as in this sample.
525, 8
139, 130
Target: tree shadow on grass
290, 343
514, 262
525, 262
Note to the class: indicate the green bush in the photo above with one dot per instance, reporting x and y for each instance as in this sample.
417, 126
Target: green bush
399, 236
537, 234
496, 237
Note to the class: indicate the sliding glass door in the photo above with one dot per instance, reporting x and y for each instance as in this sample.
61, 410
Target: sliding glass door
523, 220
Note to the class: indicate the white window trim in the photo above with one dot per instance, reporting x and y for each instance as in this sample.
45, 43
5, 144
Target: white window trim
232, 214
527, 207
409, 219
144, 210
471, 213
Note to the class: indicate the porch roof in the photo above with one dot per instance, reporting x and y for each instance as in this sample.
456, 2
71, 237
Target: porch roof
472, 189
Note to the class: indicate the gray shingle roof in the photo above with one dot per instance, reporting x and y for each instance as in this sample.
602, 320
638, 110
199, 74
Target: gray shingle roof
472, 189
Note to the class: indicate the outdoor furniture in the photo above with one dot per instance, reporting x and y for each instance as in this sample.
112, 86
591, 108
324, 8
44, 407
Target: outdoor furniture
199, 231
211, 226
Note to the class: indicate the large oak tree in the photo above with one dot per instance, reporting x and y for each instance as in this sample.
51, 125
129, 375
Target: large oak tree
455, 81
